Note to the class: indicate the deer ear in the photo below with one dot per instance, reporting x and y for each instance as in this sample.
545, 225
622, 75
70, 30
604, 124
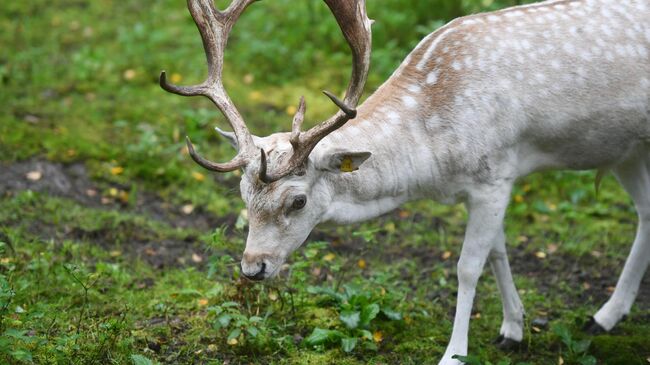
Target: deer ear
343, 161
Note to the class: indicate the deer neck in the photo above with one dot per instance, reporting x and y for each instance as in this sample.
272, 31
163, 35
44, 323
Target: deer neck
406, 161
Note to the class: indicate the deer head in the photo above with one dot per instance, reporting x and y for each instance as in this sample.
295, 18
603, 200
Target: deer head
282, 184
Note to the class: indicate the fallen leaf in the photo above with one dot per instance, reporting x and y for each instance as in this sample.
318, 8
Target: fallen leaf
197, 258
536, 329
404, 214
248, 79
273, 296
377, 336
610, 289
519, 198
212, 348
198, 176
116, 170
477, 315
551, 248
34, 175
560, 361
129, 74
329, 257
115, 253
150, 251
596, 254
123, 196
233, 342
446, 255
187, 209
106, 200
176, 78
540, 255
5, 260
361, 263
202, 302
586, 286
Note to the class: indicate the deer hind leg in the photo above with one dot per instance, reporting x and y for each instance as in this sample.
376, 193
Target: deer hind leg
634, 176
512, 327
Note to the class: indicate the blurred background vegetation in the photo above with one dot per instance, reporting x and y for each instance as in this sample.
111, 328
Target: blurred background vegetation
137, 261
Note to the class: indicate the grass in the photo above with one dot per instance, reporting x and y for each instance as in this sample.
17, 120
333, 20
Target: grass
136, 261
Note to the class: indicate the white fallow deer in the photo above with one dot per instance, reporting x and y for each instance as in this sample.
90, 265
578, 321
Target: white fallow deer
479, 103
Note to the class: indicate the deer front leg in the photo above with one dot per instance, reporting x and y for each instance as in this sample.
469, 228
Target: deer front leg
486, 207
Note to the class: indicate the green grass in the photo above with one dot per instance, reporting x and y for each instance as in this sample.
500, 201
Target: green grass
89, 281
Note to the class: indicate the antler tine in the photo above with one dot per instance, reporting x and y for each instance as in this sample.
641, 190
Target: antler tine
298, 118
354, 23
214, 27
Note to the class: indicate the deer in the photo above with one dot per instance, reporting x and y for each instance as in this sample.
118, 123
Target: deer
478, 104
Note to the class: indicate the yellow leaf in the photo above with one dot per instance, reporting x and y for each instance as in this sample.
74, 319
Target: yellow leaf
329, 257
233, 342
255, 95
540, 254
446, 255
176, 78
378, 336
5, 260
202, 302
361, 263
198, 176
117, 170
124, 196
129, 74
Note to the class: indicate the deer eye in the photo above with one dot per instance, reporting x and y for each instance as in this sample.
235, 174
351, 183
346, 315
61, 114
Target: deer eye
299, 202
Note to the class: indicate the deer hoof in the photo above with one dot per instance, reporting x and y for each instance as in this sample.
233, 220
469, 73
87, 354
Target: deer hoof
506, 344
593, 328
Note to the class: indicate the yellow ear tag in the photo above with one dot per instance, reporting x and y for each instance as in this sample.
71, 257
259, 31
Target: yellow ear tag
346, 164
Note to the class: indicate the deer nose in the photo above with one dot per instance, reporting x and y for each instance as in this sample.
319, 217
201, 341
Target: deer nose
249, 271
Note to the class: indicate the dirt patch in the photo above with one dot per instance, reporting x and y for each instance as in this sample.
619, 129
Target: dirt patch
72, 181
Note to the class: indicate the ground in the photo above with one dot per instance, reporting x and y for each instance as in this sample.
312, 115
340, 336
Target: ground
116, 248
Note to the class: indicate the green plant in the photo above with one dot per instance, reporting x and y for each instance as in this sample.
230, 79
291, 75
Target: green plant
357, 309
472, 360
576, 350
240, 328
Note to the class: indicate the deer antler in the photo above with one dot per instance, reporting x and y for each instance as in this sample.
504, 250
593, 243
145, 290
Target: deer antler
354, 23
215, 27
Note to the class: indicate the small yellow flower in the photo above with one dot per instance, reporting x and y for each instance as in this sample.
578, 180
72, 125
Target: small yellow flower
198, 176
361, 263
176, 78
291, 110
117, 170
329, 257
378, 336
113, 192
